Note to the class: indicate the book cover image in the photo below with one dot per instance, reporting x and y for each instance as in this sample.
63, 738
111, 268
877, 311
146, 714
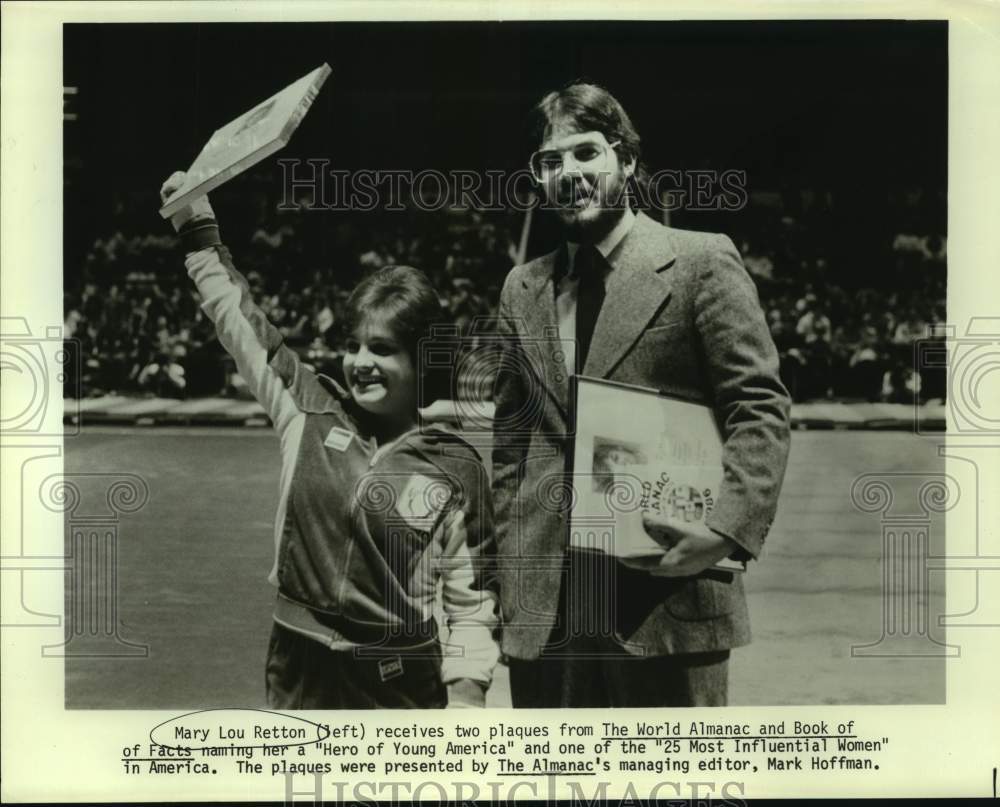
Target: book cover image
612, 459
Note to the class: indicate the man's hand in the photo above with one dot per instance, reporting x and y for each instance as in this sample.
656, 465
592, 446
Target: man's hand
466, 694
198, 209
691, 548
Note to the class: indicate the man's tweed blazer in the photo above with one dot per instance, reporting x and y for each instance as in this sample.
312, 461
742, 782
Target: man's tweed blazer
680, 315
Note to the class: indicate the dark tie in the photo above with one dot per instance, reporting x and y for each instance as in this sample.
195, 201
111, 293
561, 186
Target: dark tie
589, 268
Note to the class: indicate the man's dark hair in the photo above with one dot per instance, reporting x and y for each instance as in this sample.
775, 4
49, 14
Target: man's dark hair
587, 107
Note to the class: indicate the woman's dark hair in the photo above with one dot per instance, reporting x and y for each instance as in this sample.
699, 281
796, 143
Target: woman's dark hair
404, 299
587, 107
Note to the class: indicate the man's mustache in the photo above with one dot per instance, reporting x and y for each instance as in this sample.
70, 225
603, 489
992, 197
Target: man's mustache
609, 189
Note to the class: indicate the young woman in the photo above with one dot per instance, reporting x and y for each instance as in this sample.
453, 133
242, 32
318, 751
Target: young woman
374, 510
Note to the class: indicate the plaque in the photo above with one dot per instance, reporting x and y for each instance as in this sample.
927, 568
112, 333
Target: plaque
250, 138
638, 451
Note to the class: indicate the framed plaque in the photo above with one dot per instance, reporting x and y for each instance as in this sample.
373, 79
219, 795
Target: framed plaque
250, 138
639, 451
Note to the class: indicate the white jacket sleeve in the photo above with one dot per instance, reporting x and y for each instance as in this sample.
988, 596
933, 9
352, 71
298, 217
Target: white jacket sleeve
267, 365
471, 609
244, 332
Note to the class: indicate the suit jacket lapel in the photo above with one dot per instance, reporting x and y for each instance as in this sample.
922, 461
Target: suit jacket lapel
542, 327
638, 288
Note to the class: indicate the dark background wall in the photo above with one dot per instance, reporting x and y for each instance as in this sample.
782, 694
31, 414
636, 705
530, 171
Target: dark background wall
856, 109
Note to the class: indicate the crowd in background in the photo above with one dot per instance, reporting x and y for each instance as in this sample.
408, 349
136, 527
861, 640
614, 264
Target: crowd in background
134, 320
849, 332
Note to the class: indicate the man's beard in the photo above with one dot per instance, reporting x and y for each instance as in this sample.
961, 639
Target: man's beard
613, 201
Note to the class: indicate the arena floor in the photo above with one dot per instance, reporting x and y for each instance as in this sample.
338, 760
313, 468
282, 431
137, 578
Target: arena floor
192, 564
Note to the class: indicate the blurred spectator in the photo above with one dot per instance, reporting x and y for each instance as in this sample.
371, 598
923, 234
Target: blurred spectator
909, 329
163, 376
758, 265
865, 364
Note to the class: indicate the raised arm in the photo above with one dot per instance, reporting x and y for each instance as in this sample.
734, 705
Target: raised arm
245, 332
267, 365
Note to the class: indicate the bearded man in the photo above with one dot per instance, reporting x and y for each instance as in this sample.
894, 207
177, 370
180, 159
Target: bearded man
627, 299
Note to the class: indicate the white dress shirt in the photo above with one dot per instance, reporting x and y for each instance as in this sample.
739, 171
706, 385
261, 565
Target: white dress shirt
569, 283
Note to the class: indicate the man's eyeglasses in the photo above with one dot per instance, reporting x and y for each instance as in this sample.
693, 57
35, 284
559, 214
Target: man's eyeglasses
547, 164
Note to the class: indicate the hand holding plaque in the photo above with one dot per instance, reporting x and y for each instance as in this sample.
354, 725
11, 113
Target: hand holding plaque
198, 209
689, 548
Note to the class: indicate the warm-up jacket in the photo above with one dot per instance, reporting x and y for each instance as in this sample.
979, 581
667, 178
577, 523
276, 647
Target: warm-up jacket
363, 533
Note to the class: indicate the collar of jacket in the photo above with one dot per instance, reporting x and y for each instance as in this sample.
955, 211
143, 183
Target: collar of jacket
638, 288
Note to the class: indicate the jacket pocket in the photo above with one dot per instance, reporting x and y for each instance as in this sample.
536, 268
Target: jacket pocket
702, 598
662, 328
